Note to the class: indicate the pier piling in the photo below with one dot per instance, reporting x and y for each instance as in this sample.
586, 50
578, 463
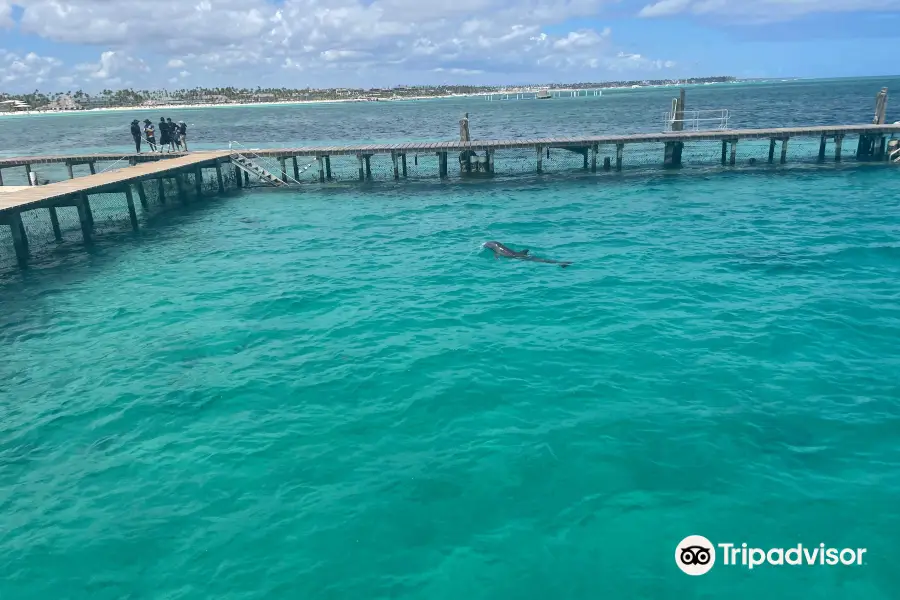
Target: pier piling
402, 160
784, 143
198, 182
772, 150
28, 174
620, 149
540, 158
20, 238
222, 181
283, 161
70, 170
142, 195
328, 166
393, 160
132, 213
179, 185
724, 157
54, 222
161, 188
442, 164
84, 216
594, 149
321, 162
733, 157
93, 168
297, 167
368, 158
362, 168
239, 178
838, 140
822, 143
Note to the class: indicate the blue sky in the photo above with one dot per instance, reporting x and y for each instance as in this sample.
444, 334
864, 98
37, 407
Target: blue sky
93, 44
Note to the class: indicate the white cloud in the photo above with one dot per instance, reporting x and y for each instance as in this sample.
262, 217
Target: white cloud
5, 14
341, 42
759, 11
27, 70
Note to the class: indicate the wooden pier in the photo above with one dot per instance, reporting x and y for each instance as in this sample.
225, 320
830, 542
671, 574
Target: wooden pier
76, 191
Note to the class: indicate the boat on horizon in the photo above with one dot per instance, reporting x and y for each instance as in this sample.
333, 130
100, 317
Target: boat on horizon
543, 95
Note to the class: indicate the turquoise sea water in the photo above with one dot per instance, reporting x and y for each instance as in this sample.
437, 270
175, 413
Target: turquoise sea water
336, 393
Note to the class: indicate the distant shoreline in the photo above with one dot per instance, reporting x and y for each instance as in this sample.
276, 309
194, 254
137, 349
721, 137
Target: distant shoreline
175, 107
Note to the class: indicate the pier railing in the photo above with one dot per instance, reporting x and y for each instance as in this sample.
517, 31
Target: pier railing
697, 120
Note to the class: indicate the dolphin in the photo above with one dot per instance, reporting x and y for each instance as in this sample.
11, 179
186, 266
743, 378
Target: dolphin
501, 250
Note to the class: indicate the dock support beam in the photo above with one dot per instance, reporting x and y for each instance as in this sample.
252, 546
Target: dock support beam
92, 167
584, 155
198, 182
402, 164
838, 140
283, 162
179, 185
246, 179
490, 161
161, 186
297, 167
69, 169
362, 168
84, 216
132, 213
368, 166
724, 152
442, 164
620, 149
396, 167
321, 162
822, 144
219, 176
784, 143
20, 238
1, 176
28, 174
540, 158
328, 167
54, 221
733, 157
239, 177
142, 195
594, 149
672, 157
772, 151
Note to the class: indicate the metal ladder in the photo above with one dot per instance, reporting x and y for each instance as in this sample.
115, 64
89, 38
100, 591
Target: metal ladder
252, 163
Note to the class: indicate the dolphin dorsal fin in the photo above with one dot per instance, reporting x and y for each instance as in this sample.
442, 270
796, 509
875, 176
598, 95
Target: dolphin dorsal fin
525, 251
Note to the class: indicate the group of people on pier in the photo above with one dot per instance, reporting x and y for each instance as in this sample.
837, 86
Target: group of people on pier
172, 136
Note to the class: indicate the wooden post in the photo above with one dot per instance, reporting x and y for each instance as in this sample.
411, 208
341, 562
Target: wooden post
584, 156
321, 162
161, 187
54, 221
84, 216
283, 162
490, 161
442, 164
724, 152
70, 170
403, 164
92, 167
822, 143
28, 174
540, 158
784, 143
594, 149
1, 176
20, 238
142, 195
882, 146
328, 167
672, 154
179, 185
620, 148
607, 163
733, 157
368, 166
246, 179
396, 166
771, 151
198, 182
297, 167
238, 177
838, 139
362, 168
222, 181
132, 213
464, 128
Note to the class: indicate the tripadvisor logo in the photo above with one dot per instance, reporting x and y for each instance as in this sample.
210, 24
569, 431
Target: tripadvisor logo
696, 555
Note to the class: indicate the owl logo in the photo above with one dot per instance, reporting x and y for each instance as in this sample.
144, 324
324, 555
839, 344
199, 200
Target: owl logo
695, 555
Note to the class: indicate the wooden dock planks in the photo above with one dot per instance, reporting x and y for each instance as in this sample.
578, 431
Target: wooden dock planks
36, 196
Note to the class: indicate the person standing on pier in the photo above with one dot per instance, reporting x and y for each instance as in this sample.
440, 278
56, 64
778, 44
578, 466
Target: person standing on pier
174, 146
163, 134
182, 134
150, 134
136, 135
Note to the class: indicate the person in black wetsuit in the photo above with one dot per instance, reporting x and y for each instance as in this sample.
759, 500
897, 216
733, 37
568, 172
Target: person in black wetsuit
150, 134
164, 139
182, 134
136, 134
